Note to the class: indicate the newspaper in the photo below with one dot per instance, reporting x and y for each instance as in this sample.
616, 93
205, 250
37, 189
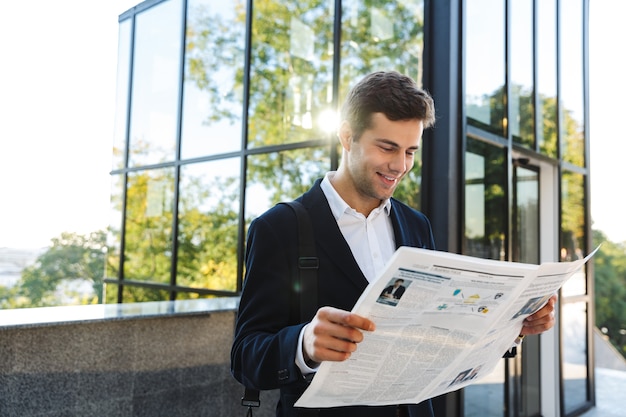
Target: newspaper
447, 328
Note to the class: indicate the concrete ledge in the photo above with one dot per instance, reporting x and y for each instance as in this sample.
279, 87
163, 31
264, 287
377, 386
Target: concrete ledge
42, 316
145, 359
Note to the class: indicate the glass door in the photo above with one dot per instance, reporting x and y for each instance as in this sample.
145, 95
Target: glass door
503, 214
524, 372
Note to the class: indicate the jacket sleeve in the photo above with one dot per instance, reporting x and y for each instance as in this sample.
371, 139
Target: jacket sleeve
264, 347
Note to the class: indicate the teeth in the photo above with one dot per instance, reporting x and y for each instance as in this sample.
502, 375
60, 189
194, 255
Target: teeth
389, 178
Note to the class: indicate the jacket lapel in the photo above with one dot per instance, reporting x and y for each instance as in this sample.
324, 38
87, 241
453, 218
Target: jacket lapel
329, 237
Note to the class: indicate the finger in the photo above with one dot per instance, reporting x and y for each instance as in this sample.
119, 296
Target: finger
536, 328
339, 325
333, 334
539, 325
346, 318
320, 342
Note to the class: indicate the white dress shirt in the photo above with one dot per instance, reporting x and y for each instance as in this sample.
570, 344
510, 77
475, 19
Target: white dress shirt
370, 238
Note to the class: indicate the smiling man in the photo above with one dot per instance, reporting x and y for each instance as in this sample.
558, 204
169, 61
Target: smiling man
357, 227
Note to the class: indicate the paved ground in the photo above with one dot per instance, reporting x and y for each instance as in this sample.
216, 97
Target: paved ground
610, 394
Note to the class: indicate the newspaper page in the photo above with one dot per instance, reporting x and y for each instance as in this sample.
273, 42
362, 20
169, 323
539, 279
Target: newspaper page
445, 325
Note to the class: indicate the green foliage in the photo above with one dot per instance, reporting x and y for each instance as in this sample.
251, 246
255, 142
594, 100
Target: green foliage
207, 233
149, 225
71, 258
9, 298
548, 129
610, 289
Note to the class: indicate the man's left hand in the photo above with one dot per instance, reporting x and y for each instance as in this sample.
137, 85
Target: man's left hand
542, 320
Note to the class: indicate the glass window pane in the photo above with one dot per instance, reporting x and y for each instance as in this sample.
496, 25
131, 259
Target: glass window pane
485, 201
574, 359
148, 238
381, 36
409, 189
526, 239
291, 71
156, 77
485, 73
573, 227
110, 293
522, 107
208, 225
121, 95
572, 84
133, 294
546, 77
214, 58
282, 176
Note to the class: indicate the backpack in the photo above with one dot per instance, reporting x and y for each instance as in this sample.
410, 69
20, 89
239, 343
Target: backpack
305, 278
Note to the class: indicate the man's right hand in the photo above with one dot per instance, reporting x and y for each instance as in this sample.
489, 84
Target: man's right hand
333, 335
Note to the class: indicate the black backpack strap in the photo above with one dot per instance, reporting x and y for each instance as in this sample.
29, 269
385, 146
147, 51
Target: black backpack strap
250, 399
304, 283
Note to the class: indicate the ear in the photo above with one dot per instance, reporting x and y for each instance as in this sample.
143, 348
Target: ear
345, 135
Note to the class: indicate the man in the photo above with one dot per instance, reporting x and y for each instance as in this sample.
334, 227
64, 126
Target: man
394, 291
357, 227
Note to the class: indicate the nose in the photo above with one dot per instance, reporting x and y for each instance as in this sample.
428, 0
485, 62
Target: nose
399, 163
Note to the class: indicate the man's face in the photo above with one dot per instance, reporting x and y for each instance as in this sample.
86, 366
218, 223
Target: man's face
382, 156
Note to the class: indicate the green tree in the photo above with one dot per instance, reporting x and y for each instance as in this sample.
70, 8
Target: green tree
9, 298
610, 289
71, 257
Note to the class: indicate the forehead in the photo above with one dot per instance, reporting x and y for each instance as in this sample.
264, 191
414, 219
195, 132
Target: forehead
403, 132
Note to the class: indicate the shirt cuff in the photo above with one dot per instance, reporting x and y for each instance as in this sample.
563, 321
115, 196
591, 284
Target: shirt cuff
300, 362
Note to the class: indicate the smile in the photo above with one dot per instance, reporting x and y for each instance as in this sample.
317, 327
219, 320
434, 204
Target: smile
390, 179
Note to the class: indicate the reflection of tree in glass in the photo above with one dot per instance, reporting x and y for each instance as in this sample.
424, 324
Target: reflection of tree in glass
207, 233
285, 175
572, 205
148, 227
523, 127
573, 139
214, 50
490, 244
572, 216
381, 35
291, 71
290, 87
548, 133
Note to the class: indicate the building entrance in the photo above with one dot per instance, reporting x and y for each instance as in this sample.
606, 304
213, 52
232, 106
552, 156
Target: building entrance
509, 206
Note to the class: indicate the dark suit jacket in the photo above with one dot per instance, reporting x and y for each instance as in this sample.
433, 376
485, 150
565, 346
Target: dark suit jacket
398, 292
266, 335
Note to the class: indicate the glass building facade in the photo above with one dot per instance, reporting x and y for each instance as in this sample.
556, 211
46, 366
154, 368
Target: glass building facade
226, 108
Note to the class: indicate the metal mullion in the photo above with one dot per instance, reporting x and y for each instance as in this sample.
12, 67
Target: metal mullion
241, 230
122, 249
177, 167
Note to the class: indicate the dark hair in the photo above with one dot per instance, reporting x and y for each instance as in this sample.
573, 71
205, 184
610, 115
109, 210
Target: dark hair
395, 95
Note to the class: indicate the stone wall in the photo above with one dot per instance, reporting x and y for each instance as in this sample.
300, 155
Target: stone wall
172, 365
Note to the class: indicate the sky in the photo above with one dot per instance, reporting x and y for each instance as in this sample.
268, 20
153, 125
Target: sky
57, 97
